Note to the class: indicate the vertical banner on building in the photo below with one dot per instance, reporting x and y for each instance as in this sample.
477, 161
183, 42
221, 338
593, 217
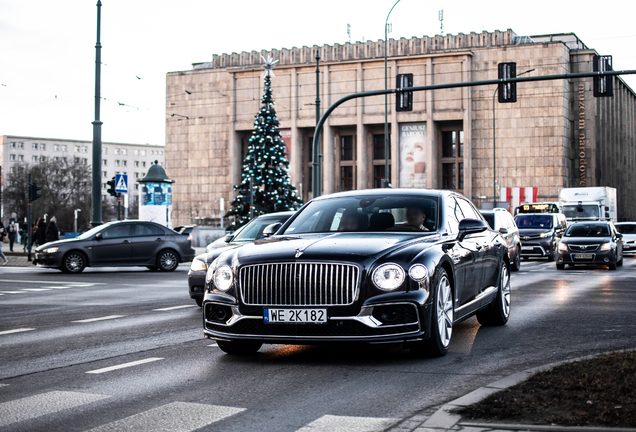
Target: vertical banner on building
413, 155
285, 135
517, 195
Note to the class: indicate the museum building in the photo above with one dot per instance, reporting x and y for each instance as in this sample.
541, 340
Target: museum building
556, 135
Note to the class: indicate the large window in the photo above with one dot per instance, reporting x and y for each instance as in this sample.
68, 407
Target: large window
453, 159
346, 158
379, 160
346, 178
346, 148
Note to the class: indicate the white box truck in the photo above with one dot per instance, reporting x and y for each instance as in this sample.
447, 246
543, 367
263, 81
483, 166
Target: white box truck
588, 203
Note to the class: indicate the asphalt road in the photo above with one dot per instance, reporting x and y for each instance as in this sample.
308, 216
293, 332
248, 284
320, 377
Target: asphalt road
122, 349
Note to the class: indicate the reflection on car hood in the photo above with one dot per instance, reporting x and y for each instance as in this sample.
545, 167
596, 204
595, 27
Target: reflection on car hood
533, 231
586, 240
336, 246
58, 243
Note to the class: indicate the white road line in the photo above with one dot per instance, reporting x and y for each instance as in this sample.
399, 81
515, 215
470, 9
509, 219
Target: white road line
35, 406
20, 330
36, 289
99, 319
53, 282
213, 345
60, 287
331, 423
13, 292
124, 365
4, 385
175, 307
174, 417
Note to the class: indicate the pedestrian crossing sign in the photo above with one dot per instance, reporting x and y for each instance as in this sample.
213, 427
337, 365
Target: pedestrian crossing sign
121, 183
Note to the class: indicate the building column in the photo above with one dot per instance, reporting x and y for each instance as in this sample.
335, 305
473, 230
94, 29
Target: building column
362, 160
328, 160
431, 133
467, 127
394, 132
296, 160
236, 163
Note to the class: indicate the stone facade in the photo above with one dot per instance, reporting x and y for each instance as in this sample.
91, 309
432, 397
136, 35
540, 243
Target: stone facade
210, 112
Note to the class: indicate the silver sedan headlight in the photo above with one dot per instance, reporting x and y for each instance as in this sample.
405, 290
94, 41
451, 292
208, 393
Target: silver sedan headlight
198, 265
223, 278
388, 277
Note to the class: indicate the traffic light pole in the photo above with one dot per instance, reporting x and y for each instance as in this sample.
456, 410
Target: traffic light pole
96, 188
457, 85
29, 239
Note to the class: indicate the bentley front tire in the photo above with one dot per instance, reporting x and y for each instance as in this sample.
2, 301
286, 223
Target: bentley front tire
239, 347
498, 312
442, 320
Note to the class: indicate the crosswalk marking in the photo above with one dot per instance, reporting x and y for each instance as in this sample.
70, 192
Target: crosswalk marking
175, 307
331, 423
88, 320
39, 405
124, 365
174, 417
20, 330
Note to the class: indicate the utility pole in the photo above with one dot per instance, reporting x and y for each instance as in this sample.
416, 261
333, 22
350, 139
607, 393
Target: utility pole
97, 129
386, 102
30, 240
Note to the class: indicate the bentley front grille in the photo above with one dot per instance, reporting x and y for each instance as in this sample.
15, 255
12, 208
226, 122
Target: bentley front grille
299, 284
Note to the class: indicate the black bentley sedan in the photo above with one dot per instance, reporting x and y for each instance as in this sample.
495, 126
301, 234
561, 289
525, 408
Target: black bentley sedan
119, 243
253, 230
591, 243
375, 266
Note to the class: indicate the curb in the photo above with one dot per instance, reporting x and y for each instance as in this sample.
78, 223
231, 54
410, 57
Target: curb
443, 419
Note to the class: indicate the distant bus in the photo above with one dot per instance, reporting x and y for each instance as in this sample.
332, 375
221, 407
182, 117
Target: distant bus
545, 207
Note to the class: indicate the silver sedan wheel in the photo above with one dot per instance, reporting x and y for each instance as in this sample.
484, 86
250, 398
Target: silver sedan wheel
505, 291
444, 311
168, 261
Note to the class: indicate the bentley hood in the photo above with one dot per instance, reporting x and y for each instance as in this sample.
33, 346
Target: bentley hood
340, 246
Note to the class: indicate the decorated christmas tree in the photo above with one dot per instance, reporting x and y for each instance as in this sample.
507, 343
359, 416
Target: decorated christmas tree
265, 166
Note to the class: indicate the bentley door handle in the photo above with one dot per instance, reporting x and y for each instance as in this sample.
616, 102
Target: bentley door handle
159, 239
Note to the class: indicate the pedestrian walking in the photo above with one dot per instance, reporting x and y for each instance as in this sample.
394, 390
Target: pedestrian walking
40, 233
12, 231
3, 233
52, 233
23, 236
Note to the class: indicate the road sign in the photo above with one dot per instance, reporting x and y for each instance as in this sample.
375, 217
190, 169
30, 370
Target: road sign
121, 183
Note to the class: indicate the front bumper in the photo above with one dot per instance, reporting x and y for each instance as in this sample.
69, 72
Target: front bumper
537, 248
629, 248
196, 284
48, 260
598, 257
364, 323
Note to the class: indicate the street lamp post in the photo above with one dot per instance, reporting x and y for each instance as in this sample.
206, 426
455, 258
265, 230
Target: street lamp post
386, 102
494, 146
96, 188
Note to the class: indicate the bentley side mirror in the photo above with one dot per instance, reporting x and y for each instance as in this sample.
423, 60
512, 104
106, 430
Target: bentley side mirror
503, 230
228, 238
471, 226
270, 230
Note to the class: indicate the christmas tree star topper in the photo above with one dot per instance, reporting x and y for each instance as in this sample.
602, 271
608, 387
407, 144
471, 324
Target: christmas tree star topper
268, 66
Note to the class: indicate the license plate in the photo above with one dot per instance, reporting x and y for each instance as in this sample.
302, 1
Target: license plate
527, 247
295, 316
583, 256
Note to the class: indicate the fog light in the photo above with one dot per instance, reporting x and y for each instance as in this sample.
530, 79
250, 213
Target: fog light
219, 313
606, 259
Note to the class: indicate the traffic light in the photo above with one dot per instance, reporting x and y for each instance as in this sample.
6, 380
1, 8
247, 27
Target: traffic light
507, 91
111, 187
404, 100
35, 192
603, 85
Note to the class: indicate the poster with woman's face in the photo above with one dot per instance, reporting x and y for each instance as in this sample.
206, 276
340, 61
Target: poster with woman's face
413, 155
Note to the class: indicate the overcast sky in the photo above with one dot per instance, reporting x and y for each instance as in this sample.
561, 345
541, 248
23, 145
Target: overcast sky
47, 48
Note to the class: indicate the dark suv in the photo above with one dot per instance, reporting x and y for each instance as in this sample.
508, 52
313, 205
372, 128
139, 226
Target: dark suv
500, 220
540, 234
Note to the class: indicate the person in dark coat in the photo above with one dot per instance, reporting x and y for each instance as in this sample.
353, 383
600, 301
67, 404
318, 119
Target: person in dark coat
52, 233
40, 233
12, 231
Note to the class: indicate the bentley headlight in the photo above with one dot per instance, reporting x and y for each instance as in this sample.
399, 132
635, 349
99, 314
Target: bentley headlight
545, 234
388, 277
563, 247
223, 278
50, 250
418, 272
606, 246
198, 265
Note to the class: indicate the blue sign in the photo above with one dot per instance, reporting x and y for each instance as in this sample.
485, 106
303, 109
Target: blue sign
156, 194
121, 183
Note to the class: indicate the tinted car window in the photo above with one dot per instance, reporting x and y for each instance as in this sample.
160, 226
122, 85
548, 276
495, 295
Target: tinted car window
117, 231
453, 215
588, 230
146, 230
532, 221
468, 209
254, 231
626, 228
367, 213
490, 219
